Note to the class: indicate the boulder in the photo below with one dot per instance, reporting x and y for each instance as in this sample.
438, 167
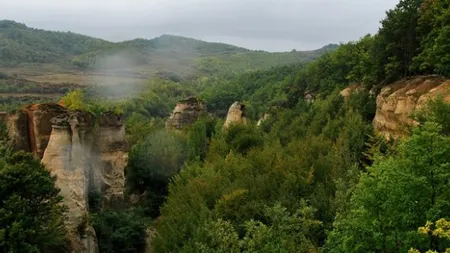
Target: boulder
186, 112
236, 114
265, 117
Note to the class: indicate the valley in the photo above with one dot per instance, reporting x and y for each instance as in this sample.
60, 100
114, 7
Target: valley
178, 145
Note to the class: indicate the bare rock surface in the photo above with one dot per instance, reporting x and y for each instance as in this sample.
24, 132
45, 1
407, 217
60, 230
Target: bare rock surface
236, 115
84, 153
186, 112
397, 102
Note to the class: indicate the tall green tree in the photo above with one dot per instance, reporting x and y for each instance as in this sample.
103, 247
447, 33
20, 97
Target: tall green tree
31, 211
396, 196
434, 32
398, 36
151, 165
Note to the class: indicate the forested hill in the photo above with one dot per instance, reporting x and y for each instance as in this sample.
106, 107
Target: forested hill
313, 175
21, 46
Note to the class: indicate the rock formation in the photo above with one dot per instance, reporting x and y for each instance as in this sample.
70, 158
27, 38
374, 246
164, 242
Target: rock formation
309, 97
111, 154
272, 110
186, 112
396, 103
68, 157
349, 90
86, 154
236, 115
39, 126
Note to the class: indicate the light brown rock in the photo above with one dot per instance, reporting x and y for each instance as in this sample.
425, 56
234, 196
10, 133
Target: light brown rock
111, 158
350, 89
397, 102
39, 126
309, 97
68, 157
186, 112
236, 114
84, 154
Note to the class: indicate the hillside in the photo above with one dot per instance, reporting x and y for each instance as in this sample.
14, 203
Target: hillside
347, 153
56, 57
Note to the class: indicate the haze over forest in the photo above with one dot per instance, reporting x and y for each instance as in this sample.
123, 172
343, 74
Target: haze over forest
111, 143
272, 25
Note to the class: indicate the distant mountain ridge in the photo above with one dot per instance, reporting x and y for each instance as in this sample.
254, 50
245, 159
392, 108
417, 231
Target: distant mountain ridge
21, 45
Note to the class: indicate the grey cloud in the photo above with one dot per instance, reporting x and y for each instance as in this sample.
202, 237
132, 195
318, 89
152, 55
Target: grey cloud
272, 25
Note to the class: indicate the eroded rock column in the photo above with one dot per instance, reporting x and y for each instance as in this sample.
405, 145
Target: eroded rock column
236, 115
68, 157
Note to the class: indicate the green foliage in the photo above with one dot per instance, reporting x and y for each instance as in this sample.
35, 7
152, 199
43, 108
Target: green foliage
281, 232
120, 231
31, 211
260, 89
94, 201
398, 36
138, 126
436, 231
437, 110
3, 134
242, 138
185, 58
152, 163
415, 180
198, 138
22, 44
74, 100
213, 203
433, 30
238, 189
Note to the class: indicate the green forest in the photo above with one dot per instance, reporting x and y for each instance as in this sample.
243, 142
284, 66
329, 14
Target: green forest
24, 48
313, 177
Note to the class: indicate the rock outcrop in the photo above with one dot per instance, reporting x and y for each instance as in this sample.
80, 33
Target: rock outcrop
68, 157
86, 154
39, 126
111, 154
186, 112
309, 97
236, 115
272, 110
398, 101
349, 90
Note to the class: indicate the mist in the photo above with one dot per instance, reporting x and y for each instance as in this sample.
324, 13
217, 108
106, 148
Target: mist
272, 25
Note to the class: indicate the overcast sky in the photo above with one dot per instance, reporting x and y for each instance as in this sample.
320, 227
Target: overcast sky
273, 25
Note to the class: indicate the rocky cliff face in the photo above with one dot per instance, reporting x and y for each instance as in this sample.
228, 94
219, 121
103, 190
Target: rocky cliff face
39, 126
86, 154
68, 157
396, 103
236, 114
186, 112
111, 157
